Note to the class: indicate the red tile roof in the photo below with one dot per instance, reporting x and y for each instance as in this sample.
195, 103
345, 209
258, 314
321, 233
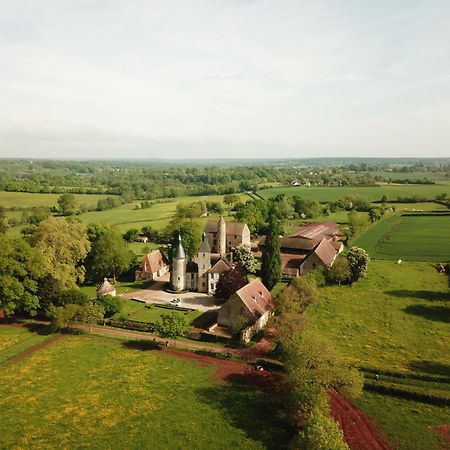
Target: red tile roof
153, 262
325, 251
317, 231
256, 298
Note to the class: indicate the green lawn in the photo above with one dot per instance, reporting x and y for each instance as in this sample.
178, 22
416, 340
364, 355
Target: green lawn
151, 313
15, 340
413, 238
91, 392
396, 322
325, 194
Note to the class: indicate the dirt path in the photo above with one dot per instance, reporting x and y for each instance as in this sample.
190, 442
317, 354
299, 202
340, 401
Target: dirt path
359, 433
35, 348
150, 337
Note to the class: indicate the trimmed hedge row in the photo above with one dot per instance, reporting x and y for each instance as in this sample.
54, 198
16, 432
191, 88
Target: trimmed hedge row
392, 389
173, 307
412, 375
213, 354
132, 325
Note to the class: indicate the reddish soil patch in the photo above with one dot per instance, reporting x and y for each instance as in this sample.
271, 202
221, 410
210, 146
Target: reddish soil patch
444, 431
34, 349
359, 432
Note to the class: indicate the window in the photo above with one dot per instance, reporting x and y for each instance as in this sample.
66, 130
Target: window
203, 266
211, 288
178, 278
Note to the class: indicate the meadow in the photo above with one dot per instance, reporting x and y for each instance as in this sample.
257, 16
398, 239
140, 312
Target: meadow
28, 200
395, 323
372, 193
93, 392
412, 238
14, 340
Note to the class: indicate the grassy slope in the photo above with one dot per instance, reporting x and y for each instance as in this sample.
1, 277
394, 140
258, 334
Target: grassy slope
89, 392
398, 320
323, 194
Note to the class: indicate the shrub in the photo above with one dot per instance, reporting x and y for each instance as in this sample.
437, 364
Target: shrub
111, 305
172, 325
133, 325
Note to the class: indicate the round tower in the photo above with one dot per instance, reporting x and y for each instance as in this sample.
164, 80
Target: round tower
178, 274
222, 236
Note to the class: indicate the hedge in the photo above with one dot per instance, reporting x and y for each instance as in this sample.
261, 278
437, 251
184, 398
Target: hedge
132, 325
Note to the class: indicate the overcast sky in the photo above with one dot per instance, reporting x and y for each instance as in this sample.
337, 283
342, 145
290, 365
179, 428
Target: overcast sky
224, 78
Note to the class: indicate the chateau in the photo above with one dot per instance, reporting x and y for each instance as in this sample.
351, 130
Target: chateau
203, 272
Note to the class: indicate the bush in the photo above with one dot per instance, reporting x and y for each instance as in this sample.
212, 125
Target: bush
72, 296
111, 305
90, 313
172, 325
133, 325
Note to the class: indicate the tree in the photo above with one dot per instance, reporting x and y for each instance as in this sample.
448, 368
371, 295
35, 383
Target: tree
357, 221
190, 231
110, 256
111, 305
230, 199
229, 282
63, 316
375, 214
131, 235
172, 325
358, 259
63, 245
67, 204
72, 296
3, 226
91, 313
339, 272
314, 366
271, 256
243, 256
20, 269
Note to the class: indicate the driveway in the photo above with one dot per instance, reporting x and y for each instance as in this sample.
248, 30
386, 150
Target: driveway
155, 294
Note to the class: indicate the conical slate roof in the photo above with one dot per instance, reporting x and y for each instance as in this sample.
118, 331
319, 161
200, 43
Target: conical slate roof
179, 252
204, 246
106, 287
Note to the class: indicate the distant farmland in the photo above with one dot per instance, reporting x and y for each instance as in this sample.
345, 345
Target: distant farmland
413, 238
325, 194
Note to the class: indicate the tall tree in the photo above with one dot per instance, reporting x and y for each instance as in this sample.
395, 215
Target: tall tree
20, 268
229, 282
271, 257
358, 259
67, 204
243, 256
62, 244
190, 231
110, 255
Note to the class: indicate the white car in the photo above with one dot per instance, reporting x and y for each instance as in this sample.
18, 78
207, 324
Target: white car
175, 301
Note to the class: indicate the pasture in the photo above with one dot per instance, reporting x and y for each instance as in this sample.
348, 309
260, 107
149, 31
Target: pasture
372, 193
28, 200
92, 392
395, 323
412, 238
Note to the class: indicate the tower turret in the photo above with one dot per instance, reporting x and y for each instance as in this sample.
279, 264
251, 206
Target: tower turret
222, 236
203, 261
178, 274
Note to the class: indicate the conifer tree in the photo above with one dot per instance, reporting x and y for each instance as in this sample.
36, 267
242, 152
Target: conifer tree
271, 257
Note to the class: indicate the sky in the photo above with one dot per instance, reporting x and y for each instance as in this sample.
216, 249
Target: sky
224, 78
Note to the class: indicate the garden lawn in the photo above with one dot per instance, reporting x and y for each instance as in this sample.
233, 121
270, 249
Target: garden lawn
413, 238
395, 322
91, 392
373, 193
15, 340
151, 313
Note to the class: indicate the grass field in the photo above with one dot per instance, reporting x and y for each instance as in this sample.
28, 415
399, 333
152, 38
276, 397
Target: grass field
28, 200
151, 313
91, 392
14, 340
412, 238
397, 320
324, 194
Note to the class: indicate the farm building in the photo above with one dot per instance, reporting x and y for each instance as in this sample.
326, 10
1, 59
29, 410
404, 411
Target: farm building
142, 238
202, 273
106, 288
153, 265
253, 304
309, 247
224, 236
